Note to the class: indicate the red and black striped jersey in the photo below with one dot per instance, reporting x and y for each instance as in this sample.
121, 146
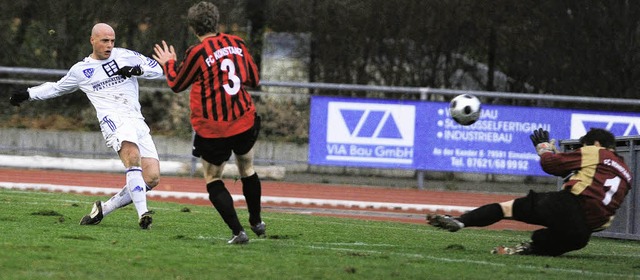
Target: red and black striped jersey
217, 69
599, 176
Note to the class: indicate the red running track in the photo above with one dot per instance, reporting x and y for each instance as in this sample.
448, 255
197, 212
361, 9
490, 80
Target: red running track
285, 190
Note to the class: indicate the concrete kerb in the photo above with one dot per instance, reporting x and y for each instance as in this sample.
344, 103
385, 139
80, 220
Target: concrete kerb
115, 165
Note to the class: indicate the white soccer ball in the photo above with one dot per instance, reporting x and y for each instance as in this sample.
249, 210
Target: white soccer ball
465, 109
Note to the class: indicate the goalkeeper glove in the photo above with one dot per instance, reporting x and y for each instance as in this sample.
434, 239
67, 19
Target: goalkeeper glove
128, 71
540, 140
18, 97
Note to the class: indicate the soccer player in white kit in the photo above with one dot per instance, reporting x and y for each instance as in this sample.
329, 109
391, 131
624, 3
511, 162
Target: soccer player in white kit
109, 79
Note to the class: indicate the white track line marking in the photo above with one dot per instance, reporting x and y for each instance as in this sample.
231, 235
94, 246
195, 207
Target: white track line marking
265, 199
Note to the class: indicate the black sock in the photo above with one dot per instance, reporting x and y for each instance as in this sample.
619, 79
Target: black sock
482, 216
252, 191
223, 202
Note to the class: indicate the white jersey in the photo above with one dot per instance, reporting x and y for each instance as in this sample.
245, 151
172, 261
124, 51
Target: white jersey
110, 94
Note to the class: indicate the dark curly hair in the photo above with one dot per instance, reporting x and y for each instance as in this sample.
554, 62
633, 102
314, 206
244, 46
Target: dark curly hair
604, 137
203, 18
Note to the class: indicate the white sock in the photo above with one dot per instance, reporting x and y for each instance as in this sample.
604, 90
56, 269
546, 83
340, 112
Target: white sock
119, 200
137, 189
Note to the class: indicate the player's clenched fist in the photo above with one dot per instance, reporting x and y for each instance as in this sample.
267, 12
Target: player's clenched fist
128, 71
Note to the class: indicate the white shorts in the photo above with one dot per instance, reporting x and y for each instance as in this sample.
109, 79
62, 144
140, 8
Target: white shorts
116, 129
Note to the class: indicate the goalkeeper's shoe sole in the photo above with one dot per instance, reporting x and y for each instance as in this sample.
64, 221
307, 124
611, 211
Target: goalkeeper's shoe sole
95, 217
145, 220
444, 222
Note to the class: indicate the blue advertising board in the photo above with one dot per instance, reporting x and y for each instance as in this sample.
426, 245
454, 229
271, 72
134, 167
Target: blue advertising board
421, 135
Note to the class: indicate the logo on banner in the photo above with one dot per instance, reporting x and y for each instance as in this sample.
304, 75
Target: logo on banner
370, 132
618, 125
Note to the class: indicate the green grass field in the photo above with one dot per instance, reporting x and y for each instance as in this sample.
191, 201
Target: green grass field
41, 239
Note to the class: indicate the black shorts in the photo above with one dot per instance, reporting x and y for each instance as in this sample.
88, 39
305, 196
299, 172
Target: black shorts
218, 150
559, 210
565, 228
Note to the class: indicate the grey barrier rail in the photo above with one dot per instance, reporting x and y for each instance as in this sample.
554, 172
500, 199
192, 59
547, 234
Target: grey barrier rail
422, 91
626, 224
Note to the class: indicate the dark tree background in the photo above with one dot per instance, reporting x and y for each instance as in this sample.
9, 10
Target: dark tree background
564, 47
570, 47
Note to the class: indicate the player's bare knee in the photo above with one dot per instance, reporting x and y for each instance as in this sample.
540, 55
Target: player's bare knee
245, 170
245, 165
129, 154
152, 181
151, 171
211, 171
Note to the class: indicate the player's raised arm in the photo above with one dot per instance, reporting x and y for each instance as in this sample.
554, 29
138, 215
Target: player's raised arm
164, 53
179, 75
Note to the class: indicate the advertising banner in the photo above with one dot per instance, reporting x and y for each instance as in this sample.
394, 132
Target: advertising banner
421, 135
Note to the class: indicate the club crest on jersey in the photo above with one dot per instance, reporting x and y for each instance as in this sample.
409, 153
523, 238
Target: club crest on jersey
110, 68
88, 72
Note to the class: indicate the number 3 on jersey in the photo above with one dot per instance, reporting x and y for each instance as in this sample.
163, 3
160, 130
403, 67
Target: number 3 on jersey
228, 66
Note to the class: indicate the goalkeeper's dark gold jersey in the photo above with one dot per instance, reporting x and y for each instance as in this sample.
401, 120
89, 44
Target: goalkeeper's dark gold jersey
217, 69
599, 176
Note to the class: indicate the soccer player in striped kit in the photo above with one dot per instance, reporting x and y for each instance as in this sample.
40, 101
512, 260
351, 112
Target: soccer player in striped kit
597, 180
222, 111
108, 76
